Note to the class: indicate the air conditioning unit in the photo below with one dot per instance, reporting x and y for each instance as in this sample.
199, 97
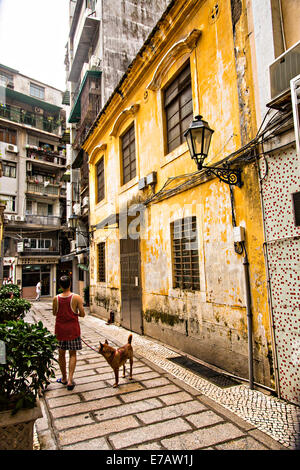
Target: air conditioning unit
38, 110
77, 209
12, 148
283, 70
20, 247
95, 63
85, 201
20, 218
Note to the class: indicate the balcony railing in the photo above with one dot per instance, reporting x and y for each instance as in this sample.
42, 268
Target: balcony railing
35, 153
50, 220
42, 189
19, 115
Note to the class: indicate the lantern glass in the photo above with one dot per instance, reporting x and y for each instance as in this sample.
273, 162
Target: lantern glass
189, 139
198, 137
73, 221
206, 138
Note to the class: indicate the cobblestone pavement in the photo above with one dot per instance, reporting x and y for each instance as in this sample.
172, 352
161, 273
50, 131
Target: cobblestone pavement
164, 407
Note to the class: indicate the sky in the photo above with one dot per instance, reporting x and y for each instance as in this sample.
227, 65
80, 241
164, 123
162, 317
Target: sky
33, 36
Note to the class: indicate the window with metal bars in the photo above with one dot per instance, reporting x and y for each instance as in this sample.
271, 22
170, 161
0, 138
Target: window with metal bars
128, 155
178, 107
101, 261
100, 183
185, 257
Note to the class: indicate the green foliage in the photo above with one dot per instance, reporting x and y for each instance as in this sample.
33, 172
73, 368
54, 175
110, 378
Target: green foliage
13, 309
8, 289
29, 363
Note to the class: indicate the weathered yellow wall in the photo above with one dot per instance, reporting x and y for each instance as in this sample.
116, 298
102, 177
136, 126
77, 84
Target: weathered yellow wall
211, 323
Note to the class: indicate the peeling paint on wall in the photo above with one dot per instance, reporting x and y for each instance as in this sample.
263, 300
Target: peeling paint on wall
210, 323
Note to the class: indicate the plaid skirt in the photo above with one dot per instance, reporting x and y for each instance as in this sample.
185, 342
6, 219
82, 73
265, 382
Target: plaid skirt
73, 345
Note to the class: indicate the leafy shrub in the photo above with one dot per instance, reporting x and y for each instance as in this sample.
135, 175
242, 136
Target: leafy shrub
8, 289
13, 309
29, 354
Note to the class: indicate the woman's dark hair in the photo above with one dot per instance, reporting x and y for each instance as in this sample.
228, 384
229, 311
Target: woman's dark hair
65, 282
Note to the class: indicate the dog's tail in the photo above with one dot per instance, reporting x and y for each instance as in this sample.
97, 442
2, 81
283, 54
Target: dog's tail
129, 339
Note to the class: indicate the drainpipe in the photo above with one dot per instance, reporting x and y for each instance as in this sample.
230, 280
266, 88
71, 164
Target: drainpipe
239, 248
249, 318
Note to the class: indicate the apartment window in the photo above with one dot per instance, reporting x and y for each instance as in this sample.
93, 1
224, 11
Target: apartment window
10, 202
44, 244
128, 155
100, 183
9, 169
8, 135
29, 206
44, 209
37, 91
178, 106
101, 262
91, 4
185, 254
80, 275
37, 243
6, 79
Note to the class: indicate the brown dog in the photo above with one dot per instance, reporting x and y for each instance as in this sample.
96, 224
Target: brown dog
117, 357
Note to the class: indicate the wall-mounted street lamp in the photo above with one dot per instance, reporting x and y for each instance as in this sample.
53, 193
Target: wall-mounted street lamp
198, 137
74, 225
73, 221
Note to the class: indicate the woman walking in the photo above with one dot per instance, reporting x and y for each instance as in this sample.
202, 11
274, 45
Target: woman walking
67, 307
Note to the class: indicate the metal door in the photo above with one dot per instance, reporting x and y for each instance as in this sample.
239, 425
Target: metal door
131, 292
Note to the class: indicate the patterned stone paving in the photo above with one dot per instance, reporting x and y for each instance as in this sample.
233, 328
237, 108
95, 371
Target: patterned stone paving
276, 418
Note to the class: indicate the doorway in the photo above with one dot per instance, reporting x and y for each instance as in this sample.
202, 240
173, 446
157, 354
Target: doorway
131, 291
31, 275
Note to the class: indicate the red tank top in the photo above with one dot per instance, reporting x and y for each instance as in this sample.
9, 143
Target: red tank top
67, 325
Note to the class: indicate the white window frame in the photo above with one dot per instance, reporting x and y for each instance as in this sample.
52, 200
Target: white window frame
37, 91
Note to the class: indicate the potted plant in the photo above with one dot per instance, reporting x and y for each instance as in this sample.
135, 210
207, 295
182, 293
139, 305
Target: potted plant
13, 309
8, 290
25, 370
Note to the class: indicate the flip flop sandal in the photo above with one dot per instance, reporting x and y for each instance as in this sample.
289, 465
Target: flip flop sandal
61, 382
70, 387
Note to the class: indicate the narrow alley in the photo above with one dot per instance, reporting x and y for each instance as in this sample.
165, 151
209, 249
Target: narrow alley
166, 406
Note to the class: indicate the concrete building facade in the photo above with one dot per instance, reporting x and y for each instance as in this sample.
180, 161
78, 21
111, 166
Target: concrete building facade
104, 38
32, 121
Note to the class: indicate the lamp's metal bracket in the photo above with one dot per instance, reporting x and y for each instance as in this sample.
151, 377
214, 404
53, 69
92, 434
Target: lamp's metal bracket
225, 174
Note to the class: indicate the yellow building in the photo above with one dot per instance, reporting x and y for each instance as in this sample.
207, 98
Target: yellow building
164, 257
